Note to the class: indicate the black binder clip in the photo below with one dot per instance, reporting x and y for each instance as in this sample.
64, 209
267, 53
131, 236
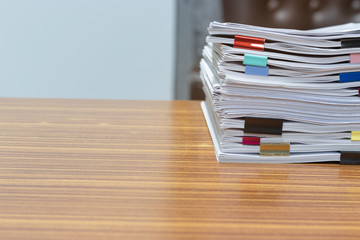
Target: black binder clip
350, 43
350, 158
263, 125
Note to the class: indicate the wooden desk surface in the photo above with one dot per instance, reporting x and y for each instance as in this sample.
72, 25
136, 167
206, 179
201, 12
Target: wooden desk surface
91, 169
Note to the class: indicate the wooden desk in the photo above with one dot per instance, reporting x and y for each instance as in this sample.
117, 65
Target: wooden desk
91, 169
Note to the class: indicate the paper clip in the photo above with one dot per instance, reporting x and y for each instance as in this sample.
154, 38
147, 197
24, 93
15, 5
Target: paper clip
251, 140
275, 149
355, 58
355, 135
250, 43
349, 77
350, 158
263, 125
350, 43
255, 70
255, 60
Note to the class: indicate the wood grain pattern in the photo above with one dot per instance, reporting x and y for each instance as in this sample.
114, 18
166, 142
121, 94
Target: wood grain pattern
97, 169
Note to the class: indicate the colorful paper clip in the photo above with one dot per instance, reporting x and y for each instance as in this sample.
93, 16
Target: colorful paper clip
251, 140
349, 77
255, 60
275, 149
250, 43
255, 70
355, 58
355, 135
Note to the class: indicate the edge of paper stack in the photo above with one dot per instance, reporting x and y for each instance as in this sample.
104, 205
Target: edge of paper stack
282, 95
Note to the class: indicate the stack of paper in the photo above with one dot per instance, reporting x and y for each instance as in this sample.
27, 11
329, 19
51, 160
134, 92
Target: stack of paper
283, 95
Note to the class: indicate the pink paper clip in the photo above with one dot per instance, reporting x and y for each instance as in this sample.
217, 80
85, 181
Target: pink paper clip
355, 58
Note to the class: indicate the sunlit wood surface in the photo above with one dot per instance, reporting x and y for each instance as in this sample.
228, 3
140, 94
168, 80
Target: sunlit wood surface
97, 169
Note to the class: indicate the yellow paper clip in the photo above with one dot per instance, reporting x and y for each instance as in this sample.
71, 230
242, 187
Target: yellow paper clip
355, 135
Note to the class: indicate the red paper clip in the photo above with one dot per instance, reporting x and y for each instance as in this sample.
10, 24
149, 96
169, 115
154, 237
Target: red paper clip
251, 43
251, 140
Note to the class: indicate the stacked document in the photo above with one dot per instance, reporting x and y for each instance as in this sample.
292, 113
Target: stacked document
282, 95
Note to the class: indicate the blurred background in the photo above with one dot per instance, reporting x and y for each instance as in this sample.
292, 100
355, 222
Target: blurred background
111, 49
125, 49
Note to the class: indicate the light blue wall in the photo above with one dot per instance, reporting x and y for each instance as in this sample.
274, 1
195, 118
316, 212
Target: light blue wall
112, 49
